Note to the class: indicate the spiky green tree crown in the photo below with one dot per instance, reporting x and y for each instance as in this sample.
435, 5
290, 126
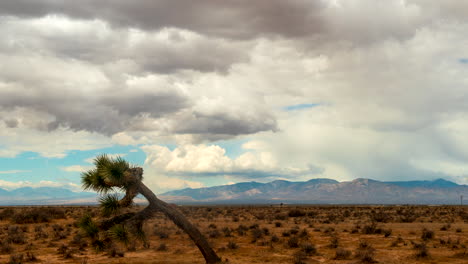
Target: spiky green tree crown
110, 173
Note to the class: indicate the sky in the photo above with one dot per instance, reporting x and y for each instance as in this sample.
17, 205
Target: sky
207, 92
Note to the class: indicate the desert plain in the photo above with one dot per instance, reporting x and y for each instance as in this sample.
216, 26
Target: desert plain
247, 234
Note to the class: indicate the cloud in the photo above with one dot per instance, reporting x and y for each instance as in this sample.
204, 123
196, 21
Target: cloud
211, 160
8, 185
76, 168
210, 17
390, 73
14, 171
54, 144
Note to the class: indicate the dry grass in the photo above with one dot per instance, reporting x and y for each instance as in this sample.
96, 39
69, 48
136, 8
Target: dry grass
250, 234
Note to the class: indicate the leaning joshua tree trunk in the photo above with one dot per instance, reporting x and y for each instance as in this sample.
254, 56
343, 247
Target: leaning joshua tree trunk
117, 173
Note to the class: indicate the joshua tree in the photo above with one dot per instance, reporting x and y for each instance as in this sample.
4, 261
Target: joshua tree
117, 174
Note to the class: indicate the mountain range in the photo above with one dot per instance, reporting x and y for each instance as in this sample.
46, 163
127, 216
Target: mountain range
314, 191
325, 191
45, 196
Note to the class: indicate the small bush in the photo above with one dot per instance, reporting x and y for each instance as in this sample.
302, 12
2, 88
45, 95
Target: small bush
161, 234
342, 253
365, 252
214, 233
232, 245
427, 234
293, 242
65, 251
445, 227
274, 238
421, 250
15, 235
162, 247
371, 229
296, 213
299, 257
387, 232
30, 257
16, 259
115, 252
37, 215
334, 242
5, 247
309, 248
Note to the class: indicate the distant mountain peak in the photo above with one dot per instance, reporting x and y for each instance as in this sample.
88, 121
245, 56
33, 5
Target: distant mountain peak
323, 190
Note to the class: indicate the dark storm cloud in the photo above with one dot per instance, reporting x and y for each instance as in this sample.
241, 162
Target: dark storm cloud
226, 124
106, 114
231, 19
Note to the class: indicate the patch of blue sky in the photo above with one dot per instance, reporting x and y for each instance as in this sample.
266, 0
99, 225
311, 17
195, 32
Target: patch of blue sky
233, 147
35, 168
463, 60
300, 106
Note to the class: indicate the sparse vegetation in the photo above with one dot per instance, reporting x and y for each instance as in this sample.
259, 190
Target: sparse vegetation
438, 235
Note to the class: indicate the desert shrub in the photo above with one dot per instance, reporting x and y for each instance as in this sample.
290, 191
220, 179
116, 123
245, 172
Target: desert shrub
114, 252
294, 230
380, 217
30, 257
64, 251
309, 248
161, 234
16, 259
79, 242
227, 231
214, 233
334, 242
458, 230
274, 238
296, 213
6, 213
329, 230
387, 232
342, 253
37, 215
445, 227
371, 229
293, 242
59, 232
299, 257
427, 234
397, 241
241, 229
232, 245
5, 247
312, 214
39, 232
365, 252
162, 247
278, 224
421, 250
15, 235
281, 217
257, 233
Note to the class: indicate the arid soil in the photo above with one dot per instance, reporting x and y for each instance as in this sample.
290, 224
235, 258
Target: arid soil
249, 234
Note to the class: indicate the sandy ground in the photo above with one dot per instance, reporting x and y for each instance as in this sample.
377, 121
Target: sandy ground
260, 234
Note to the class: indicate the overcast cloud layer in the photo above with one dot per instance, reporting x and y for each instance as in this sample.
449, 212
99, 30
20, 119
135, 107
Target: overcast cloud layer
338, 89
